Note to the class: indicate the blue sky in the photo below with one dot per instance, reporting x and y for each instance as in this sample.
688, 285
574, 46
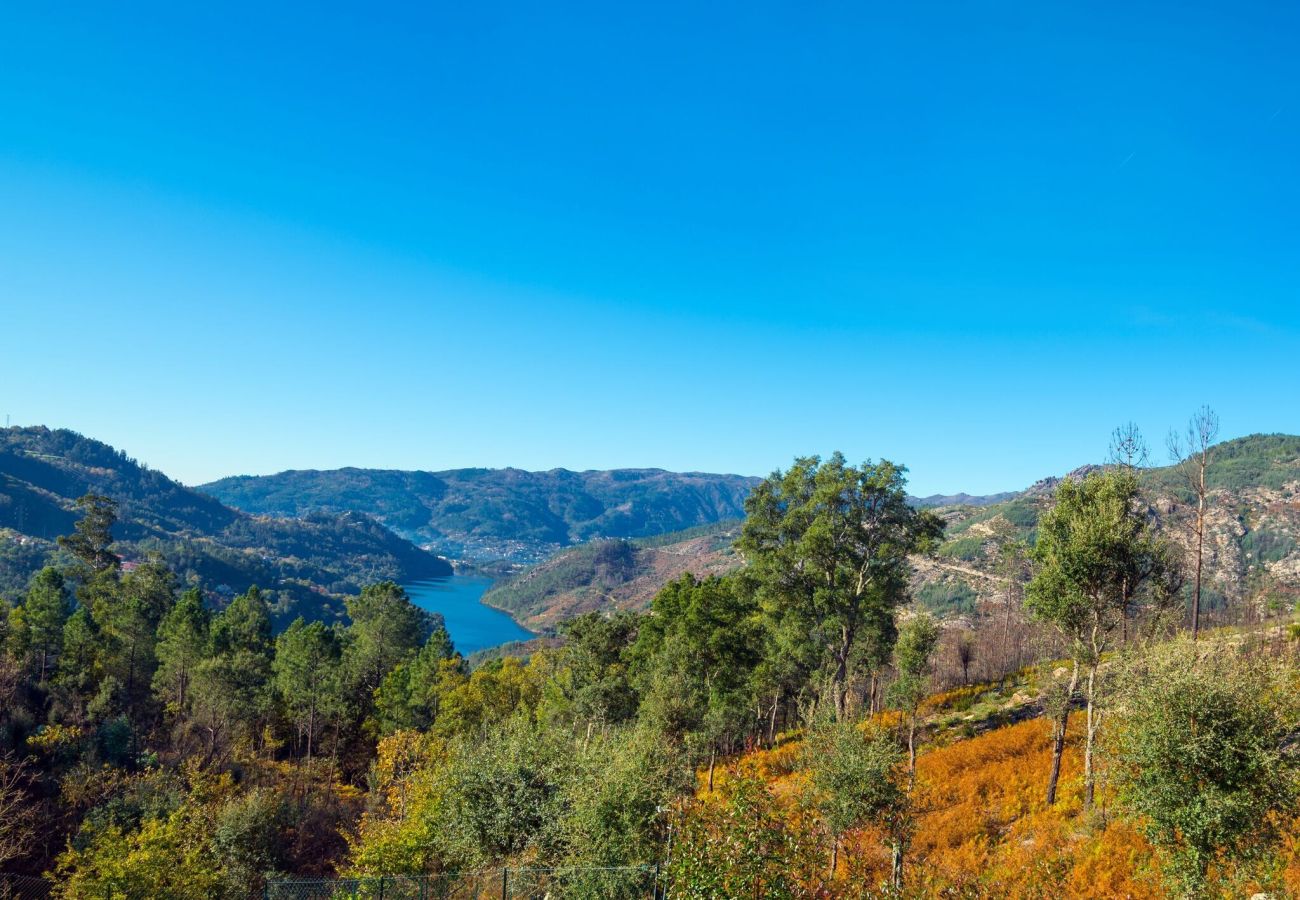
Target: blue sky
972, 237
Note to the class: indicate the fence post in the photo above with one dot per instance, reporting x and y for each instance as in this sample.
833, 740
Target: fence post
505, 883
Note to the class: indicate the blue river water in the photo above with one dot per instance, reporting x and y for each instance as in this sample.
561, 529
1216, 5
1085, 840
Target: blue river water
471, 624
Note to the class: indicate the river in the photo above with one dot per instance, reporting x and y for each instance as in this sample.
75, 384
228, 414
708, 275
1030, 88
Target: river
472, 625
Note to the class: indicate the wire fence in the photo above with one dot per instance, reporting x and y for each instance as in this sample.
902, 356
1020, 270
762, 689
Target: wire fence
522, 883
24, 887
513, 883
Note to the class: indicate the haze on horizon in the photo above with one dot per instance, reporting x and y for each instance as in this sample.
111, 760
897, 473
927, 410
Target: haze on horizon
237, 240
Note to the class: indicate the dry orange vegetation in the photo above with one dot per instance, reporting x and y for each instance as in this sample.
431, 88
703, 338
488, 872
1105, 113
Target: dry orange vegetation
983, 829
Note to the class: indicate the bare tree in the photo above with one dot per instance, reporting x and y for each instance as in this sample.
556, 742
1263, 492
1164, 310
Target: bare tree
1190, 453
965, 655
17, 812
1013, 567
1128, 448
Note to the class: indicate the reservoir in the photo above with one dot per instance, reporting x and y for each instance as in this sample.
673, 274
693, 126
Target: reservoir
471, 624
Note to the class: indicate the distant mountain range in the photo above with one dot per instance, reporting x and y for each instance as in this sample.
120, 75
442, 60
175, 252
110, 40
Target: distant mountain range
307, 564
483, 515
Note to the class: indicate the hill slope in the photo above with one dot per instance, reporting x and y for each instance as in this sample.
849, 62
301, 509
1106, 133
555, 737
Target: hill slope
493, 514
305, 563
1252, 544
615, 573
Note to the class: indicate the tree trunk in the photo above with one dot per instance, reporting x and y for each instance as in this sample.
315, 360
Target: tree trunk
875, 685
896, 868
713, 758
911, 751
1058, 735
1200, 552
1094, 720
835, 855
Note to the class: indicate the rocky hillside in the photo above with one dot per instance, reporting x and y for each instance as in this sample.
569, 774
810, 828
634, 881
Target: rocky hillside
499, 514
1252, 546
306, 563
612, 574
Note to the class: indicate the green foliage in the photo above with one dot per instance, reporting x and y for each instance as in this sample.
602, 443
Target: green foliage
968, 547
1200, 757
913, 657
1268, 546
856, 779
183, 642
743, 844
828, 546
308, 677
946, 596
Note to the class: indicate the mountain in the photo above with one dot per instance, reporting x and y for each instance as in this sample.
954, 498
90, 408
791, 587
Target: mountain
1252, 546
1253, 530
499, 514
612, 573
306, 563
962, 499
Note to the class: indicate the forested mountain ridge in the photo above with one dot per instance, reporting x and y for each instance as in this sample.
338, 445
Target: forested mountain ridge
499, 514
304, 564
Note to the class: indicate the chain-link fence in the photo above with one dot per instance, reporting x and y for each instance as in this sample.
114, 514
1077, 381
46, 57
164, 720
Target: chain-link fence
605, 883
24, 887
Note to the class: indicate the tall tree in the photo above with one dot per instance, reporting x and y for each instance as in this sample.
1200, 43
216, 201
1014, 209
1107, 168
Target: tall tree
231, 688
44, 613
183, 642
828, 544
92, 539
701, 642
307, 671
1097, 558
1191, 455
386, 629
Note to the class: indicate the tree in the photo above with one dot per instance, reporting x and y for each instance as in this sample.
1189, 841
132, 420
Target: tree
829, 544
410, 696
386, 629
128, 621
183, 642
92, 539
707, 632
856, 781
965, 654
1200, 756
44, 613
307, 675
1096, 559
594, 651
1013, 567
231, 688
18, 811
1190, 453
913, 657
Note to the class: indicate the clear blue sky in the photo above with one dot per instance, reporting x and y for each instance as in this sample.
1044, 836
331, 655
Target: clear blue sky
969, 236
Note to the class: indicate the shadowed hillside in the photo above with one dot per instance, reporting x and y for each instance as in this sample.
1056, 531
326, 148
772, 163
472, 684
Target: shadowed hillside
304, 563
